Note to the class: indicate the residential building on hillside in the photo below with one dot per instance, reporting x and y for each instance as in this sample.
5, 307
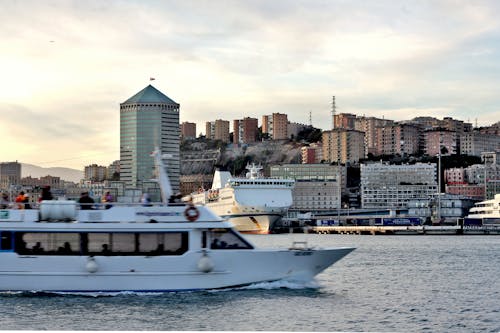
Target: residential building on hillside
437, 139
148, 119
276, 125
318, 187
344, 120
369, 126
392, 186
493, 129
343, 146
312, 154
402, 139
188, 130
245, 130
217, 130
475, 143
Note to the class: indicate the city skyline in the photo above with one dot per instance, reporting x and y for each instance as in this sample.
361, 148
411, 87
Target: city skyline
68, 65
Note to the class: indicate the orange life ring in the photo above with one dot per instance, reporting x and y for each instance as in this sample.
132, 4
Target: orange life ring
191, 213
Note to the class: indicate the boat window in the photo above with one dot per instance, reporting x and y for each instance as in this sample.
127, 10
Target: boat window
166, 243
99, 243
6, 240
227, 239
122, 243
60, 243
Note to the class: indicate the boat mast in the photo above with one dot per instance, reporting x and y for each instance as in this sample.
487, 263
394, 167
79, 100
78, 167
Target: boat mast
161, 176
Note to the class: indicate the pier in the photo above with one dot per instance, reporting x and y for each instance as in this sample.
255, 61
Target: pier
396, 230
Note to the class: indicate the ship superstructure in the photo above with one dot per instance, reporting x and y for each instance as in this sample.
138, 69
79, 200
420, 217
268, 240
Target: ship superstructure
253, 204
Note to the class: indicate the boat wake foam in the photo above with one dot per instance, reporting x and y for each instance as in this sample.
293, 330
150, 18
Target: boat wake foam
282, 284
294, 285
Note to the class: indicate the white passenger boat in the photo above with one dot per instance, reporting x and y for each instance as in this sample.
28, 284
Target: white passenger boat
59, 247
488, 211
253, 204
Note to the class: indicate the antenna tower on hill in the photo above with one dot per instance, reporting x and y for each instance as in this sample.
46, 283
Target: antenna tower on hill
334, 109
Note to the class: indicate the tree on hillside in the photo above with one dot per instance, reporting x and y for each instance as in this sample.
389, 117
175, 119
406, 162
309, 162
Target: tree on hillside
309, 134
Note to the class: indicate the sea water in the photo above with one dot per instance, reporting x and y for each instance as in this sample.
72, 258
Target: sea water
388, 284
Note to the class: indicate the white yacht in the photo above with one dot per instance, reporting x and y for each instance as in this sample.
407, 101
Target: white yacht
61, 248
253, 203
488, 211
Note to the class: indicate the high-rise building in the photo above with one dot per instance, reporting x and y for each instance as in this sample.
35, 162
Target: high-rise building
245, 130
188, 130
217, 130
369, 125
10, 174
437, 139
344, 146
148, 119
276, 125
94, 172
402, 139
344, 120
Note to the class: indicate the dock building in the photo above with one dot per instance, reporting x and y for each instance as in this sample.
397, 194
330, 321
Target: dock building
318, 187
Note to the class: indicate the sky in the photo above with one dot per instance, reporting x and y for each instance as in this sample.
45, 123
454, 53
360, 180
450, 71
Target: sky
65, 66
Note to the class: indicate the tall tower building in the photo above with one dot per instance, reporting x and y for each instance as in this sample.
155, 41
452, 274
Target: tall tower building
148, 119
245, 130
10, 174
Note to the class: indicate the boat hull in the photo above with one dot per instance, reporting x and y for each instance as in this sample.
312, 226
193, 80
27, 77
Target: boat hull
116, 274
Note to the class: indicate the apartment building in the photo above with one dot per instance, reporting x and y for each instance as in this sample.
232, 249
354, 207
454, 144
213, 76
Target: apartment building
402, 139
343, 146
369, 126
438, 139
312, 154
475, 143
245, 130
276, 125
217, 130
96, 173
188, 130
10, 174
392, 186
344, 120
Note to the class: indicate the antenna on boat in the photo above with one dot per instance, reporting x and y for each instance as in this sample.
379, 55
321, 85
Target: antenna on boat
162, 177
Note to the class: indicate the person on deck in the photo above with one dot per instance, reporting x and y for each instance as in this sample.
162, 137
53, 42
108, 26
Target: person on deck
107, 198
46, 194
4, 201
20, 200
85, 201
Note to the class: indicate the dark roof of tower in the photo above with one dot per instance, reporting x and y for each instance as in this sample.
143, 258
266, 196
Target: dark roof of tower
149, 95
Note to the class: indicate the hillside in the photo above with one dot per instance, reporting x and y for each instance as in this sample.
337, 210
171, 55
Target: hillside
203, 157
66, 174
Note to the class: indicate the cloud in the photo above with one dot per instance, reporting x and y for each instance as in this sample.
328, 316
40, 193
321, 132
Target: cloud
66, 65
